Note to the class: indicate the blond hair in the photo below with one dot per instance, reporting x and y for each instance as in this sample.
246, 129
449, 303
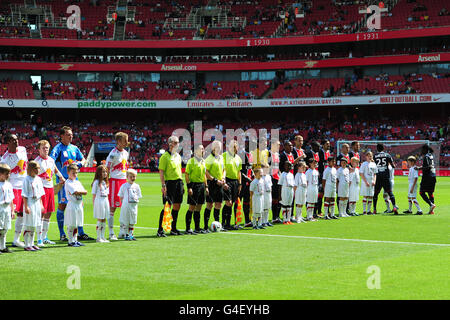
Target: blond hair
32, 165
4, 168
121, 135
43, 143
131, 171
412, 159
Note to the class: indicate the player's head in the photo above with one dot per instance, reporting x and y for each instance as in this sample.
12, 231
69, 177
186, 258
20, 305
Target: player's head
199, 150
369, 156
315, 146
412, 161
173, 143
216, 147
33, 168
426, 149
287, 146
233, 146
326, 144
298, 141
302, 166
131, 175
101, 173
345, 148
262, 143
354, 161
12, 141
121, 140
72, 171
5, 171
312, 163
275, 146
343, 162
66, 135
258, 172
288, 166
355, 146
380, 147
44, 148
331, 161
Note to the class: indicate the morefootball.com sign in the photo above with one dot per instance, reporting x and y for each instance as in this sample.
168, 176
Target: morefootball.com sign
196, 104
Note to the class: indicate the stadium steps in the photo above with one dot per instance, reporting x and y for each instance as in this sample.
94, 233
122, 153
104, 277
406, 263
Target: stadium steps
268, 92
37, 94
116, 95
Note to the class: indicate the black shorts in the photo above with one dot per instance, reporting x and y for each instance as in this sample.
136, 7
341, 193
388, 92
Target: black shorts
175, 191
276, 189
233, 190
427, 184
198, 194
215, 192
384, 183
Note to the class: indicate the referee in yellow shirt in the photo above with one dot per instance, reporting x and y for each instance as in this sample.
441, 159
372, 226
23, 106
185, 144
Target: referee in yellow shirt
233, 166
172, 187
195, 176
216, 182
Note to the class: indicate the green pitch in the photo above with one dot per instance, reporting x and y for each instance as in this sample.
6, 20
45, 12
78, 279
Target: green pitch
317, 260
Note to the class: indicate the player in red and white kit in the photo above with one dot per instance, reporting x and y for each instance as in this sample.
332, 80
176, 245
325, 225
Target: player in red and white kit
47, 170
16, 158
117, 164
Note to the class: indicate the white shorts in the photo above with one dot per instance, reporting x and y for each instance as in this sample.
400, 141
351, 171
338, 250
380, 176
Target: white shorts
101, 207
312, 193
267, 200
33, 219
287, 196
353, 195
343, 190
5, 216
74, 215
300, 196
414, 193
367, 191
330, 190
128, 213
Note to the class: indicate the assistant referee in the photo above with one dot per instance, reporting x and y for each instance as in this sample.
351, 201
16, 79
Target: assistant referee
233, 166
172, 187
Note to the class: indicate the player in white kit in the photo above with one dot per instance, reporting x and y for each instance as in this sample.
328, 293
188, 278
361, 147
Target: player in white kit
368, 176
312, 189
355, 179
6, 205
267, 178
343, 187
129, 193
16, 158
300, 191
329, 187
257, 196
117, 164
32, 192
100, 192
74, 214
413, 178
287, 183
47, 170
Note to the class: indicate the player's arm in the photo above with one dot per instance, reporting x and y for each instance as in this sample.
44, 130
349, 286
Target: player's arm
25, 205
163, 182
363, 178
188, 183
59, 175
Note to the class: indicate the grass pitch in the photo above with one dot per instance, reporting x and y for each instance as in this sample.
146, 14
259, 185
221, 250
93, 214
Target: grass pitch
316, 260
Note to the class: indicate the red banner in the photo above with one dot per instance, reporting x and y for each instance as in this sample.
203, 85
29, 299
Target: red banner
239, 66
265, 42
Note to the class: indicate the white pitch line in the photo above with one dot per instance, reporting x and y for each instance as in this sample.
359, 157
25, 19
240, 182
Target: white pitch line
316, 238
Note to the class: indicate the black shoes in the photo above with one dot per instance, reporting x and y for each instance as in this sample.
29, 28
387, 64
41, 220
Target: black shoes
85, 237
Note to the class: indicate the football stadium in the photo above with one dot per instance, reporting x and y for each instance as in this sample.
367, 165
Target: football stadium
224, 150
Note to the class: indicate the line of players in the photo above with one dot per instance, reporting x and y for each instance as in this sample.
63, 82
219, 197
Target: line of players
17, 175
223, 177
219, 177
